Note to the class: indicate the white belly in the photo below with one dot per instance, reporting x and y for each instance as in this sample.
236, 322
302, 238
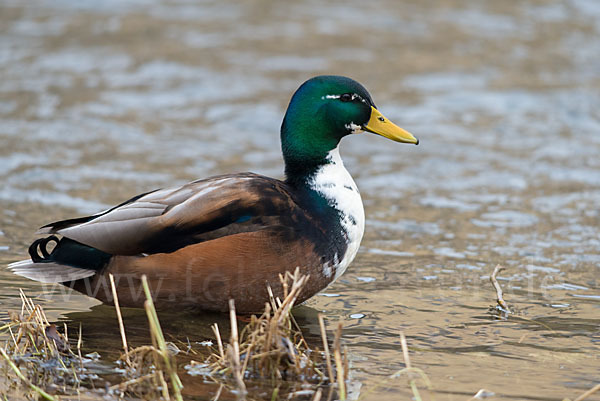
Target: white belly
335, 183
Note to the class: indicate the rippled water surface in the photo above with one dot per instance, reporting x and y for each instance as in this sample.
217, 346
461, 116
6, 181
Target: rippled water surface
100, 101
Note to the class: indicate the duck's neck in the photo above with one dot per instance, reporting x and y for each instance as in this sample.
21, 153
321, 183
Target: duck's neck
301, 165
334, 196
334, 183
329, 180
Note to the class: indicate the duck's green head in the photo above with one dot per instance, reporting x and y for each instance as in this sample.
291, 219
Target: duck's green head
323, 111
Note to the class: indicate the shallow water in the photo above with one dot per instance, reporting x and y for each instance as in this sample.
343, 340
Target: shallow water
103, 100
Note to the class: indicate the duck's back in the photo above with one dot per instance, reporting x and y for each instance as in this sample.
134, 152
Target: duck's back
166, 220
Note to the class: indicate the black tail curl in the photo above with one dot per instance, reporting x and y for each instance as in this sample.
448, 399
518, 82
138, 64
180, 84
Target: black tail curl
38, 250
68, 252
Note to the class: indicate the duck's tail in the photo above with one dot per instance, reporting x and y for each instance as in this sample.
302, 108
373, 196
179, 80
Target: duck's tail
68, 261
48, 272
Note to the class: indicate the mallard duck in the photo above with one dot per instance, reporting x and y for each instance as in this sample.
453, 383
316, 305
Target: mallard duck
228, 236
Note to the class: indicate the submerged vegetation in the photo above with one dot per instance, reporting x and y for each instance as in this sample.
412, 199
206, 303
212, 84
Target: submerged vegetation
270, 351
39, 362
271, 347
37, 358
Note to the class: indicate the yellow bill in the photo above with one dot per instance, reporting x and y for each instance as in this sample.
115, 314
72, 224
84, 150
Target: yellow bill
380, 125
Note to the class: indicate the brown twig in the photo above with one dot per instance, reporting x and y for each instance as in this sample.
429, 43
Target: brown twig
498, 289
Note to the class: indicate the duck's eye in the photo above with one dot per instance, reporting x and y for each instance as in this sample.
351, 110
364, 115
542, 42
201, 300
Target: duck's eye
346, 97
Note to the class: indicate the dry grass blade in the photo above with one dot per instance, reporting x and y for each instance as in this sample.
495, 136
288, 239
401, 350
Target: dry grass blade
119, 316
159, 339
215, 328
233, 351
337, 355
588, 393
413, 384
326, 349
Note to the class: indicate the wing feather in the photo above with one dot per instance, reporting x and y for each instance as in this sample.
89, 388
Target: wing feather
167, 219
